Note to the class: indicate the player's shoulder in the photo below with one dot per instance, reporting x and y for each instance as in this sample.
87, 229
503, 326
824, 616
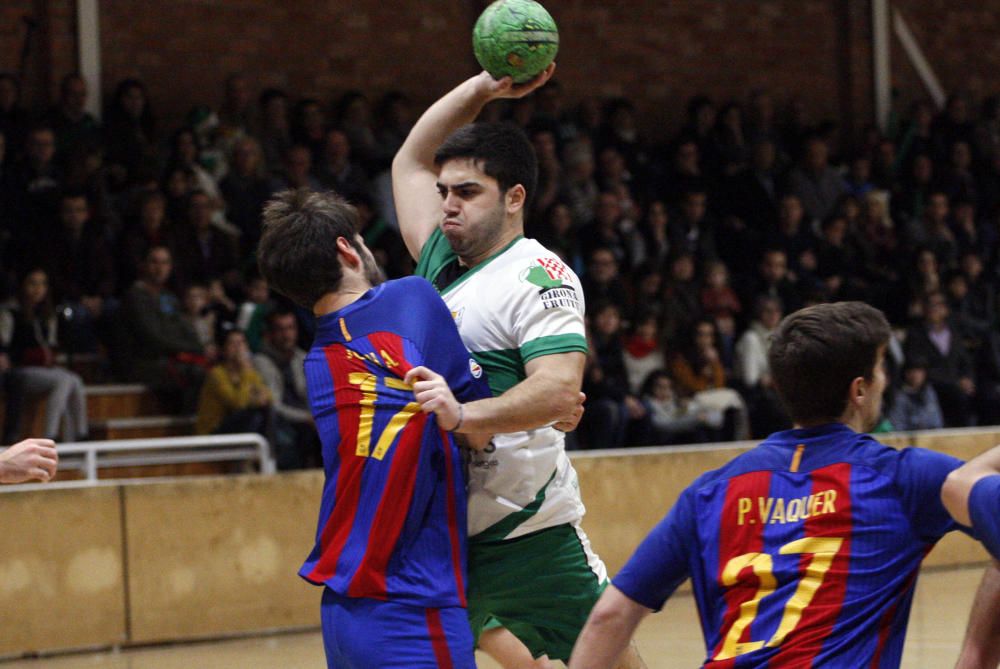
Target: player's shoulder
409, 291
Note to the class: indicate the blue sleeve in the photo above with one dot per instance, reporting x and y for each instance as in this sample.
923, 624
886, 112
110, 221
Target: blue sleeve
660, 564
984, 509
441, 345
919, 476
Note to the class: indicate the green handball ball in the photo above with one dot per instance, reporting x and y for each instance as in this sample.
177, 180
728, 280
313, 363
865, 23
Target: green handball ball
515, 38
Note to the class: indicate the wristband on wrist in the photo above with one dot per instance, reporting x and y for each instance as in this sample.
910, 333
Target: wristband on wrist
461, 417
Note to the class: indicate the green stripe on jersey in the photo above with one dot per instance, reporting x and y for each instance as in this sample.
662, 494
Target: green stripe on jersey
564, 343
504, 369
499, 530
437, 253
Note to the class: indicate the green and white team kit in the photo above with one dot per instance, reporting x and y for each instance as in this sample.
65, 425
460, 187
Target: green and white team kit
520, 304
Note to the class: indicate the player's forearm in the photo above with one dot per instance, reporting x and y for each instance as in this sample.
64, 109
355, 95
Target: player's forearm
539, 400
607, 632
457, 108
981, 647
958, 486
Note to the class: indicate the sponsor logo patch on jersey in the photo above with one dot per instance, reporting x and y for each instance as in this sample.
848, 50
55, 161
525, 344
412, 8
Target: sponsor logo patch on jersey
457, 315
475, 368
548, 273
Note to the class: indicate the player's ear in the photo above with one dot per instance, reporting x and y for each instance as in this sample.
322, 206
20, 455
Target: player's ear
348, 254
515, 198
859, 390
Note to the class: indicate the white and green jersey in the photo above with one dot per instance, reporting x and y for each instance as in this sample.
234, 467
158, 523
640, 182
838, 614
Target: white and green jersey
521, 303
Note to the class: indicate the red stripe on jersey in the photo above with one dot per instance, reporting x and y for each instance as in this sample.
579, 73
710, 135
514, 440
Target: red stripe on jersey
885, 625
438, 640
348, 492
818, 619
389, 348
739, 538
390, 516
452, 511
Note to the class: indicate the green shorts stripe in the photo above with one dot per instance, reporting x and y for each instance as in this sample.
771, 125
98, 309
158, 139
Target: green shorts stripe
540, 586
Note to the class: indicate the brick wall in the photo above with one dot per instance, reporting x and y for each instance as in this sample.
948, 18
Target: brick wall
657, 53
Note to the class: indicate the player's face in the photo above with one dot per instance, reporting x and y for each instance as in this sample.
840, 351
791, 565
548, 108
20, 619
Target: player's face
472, 207
373, 273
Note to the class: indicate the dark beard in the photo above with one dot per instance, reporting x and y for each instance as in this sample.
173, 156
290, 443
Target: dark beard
373, 273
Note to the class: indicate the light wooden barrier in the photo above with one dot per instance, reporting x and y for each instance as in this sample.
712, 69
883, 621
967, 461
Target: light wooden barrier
206, 557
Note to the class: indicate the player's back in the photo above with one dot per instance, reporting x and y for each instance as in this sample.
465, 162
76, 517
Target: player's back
392, 519
808, 548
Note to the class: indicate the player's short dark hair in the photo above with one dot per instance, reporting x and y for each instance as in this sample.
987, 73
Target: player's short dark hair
297, 254
502, 149
818, 351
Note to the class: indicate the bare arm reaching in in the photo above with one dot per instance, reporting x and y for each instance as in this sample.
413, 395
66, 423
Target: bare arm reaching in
31, 459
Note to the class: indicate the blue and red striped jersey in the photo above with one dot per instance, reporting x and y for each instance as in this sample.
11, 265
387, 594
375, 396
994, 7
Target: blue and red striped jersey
392, 521
802, 552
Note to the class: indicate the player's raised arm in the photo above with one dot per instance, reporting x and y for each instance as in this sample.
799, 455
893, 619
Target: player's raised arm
414, 174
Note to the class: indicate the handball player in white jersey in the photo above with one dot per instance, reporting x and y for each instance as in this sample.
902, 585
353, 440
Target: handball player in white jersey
461, 191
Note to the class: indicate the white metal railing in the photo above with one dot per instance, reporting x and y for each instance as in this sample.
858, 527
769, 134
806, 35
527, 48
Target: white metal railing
89, 456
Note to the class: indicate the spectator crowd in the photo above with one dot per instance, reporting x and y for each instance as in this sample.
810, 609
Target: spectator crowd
134, 243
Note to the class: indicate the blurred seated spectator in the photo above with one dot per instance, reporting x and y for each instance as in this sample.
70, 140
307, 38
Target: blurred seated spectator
772, 279
915, 405
579, 187
14, 119
202, 319
151, 229
274, 133
252, 313
82, 273
949, 366
184, 151
280, 364
817, 184
753, 370
681, 299
297, 171
611, 230
793, 234
643, 352
158, 346
610, 406
34, 184
381, 238
338, 171
74, 126
602, 281
556, 232
234, 398
673, 420
698, 373
130, 134
932, 231
32, 330
209, 253
717, 296
691, 229
245, 189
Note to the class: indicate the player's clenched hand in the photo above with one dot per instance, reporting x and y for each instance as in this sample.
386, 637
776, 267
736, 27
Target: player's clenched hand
434, 395
569, 423
28, 460
506, 88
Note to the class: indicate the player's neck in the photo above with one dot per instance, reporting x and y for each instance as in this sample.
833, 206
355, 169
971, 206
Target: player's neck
502, 242
351, 290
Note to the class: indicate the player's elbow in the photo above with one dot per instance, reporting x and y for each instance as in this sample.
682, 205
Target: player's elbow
955, 492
